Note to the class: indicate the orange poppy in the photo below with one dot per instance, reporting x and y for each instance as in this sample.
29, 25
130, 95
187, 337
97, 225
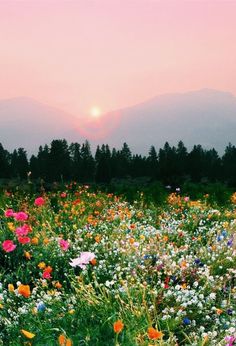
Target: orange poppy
154, 334
27, 255
93, 261
63, 341
34, 241
24, 290
118, 326
58, 284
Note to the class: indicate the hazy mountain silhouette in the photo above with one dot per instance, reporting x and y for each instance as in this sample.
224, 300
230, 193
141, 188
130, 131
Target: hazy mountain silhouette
206, 117
27, 123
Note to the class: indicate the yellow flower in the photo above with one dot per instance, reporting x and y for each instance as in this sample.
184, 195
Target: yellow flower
165, 238
233, 198
97, 238
41, 265
11, 226
27, 334
11, 288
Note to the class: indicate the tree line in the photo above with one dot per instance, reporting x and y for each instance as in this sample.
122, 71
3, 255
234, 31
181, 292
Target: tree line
170, 165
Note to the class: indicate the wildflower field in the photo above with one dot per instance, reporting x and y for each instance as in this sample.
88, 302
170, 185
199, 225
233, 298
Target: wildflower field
79, 268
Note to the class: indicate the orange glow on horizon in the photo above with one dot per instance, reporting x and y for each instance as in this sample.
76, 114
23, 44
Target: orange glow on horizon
99, 126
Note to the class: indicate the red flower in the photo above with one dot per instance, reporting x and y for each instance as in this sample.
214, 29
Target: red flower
23, 240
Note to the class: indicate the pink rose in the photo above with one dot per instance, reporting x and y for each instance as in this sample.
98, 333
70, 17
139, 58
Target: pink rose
47, 275
21, 216
39, 201
9, 213
64, 244
8, 246
24, 230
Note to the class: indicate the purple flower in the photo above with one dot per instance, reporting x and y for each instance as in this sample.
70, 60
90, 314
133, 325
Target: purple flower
82, 260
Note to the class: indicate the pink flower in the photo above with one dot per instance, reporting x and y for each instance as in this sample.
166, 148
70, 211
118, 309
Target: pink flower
8, 246
9, 213
23, 240
47, 275
63, 195
21, 216
39, 201
186, 199
21, 231
64, 244
230, 340
82, 260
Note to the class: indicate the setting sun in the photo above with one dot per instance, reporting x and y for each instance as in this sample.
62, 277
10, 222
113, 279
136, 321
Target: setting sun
95, 112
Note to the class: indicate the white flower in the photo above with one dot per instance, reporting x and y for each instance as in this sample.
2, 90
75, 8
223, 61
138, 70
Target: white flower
82, 260
212, 296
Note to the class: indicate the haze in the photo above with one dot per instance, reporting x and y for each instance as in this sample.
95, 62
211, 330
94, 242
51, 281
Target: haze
75, 55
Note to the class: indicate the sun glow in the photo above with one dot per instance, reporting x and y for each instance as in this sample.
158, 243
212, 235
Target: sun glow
95, 112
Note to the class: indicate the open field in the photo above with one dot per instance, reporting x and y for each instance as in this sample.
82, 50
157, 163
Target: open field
79, 268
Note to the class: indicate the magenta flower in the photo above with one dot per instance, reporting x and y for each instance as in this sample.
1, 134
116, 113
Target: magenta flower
47, 275
9, 213
39, 201
82, 260
230, 340
8, 246
64, 244
21, 216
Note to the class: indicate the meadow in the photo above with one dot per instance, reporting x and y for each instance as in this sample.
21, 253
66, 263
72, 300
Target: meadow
86, 268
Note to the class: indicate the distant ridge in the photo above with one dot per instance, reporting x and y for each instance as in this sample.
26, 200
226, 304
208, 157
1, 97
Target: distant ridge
28, 123
206, 117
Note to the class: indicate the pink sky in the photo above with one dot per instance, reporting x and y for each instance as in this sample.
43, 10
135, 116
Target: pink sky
77, 54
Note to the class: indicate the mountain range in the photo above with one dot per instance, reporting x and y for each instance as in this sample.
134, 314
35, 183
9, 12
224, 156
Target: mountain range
206, 117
